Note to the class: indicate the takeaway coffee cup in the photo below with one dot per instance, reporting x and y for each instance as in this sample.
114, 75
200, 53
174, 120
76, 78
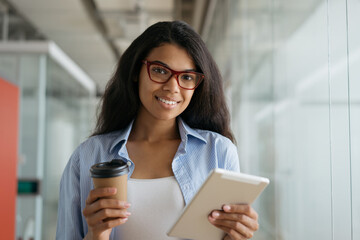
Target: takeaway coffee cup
111, 174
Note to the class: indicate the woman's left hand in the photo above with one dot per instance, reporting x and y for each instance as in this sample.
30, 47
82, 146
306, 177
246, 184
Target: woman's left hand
238, 221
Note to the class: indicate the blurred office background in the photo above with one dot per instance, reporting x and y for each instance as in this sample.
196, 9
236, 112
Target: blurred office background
292, 77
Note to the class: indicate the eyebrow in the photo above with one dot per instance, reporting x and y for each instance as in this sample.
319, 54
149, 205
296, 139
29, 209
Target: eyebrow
186, 70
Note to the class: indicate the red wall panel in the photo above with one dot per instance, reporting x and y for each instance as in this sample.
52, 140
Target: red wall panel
9, 112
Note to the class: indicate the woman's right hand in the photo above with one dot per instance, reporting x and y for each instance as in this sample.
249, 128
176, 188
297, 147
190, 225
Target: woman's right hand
103, 214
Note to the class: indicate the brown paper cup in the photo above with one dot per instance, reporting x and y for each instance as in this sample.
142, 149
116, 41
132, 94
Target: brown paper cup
120, 183
111, 174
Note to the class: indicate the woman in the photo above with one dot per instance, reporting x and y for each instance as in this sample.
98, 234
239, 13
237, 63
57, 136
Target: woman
163, 111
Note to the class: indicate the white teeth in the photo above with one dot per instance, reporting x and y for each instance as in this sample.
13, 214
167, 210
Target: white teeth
166, 101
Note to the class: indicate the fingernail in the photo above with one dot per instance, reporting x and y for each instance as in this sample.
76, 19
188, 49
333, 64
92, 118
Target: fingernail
124, 219
112, 190
215, 214
127, 205
226, 208
128, 213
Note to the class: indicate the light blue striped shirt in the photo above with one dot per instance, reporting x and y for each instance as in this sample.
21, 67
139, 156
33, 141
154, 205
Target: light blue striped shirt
199, 152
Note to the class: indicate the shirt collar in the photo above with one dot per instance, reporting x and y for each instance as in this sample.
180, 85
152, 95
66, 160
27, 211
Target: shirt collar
184, 130
122, 137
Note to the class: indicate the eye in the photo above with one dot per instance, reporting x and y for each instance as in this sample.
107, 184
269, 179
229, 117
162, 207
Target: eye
187, 77
159, 70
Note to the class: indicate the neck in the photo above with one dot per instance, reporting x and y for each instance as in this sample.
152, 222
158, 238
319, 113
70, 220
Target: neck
153, 130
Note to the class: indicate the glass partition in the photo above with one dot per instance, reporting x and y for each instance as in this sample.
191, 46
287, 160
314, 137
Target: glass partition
290, 70
29, 207
56, 114
353, 18
68, 123
8, 69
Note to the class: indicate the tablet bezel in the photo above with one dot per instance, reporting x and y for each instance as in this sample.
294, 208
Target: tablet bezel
217, 177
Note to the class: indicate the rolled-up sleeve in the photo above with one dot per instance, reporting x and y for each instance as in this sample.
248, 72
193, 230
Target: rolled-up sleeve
69, 223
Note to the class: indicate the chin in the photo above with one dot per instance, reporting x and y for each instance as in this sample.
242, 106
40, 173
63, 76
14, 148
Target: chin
166, 117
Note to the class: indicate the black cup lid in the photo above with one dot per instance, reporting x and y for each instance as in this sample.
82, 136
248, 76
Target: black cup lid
114, 168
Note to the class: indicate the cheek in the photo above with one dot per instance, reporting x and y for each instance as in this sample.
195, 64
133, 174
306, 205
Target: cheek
188, 96
191, 93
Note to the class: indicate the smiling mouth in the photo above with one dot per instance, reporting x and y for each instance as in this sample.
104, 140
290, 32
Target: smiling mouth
166, 101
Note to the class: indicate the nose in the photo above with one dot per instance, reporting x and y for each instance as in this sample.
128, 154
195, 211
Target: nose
172, 84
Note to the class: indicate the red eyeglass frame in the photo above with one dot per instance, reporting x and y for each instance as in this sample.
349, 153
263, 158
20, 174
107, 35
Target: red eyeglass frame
173, 73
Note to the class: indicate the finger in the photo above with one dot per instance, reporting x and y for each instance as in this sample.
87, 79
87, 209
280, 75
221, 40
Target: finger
241, 208
106, 214
244, 219
233, 225
99, 193
104, 203
110, 224
231, 234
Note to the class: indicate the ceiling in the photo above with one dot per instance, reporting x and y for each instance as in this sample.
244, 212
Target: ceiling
94, 33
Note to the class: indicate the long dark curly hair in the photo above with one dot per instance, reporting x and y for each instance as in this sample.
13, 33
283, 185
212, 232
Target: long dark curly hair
120, 103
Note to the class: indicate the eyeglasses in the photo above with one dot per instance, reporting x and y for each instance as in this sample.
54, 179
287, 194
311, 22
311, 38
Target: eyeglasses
161, 74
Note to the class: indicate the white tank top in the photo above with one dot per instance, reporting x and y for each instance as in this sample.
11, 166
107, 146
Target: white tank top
155, 206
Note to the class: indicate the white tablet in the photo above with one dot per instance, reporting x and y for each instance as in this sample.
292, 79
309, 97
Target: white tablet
221, 187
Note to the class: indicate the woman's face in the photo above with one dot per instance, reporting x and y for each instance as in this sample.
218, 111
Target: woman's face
165, 101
